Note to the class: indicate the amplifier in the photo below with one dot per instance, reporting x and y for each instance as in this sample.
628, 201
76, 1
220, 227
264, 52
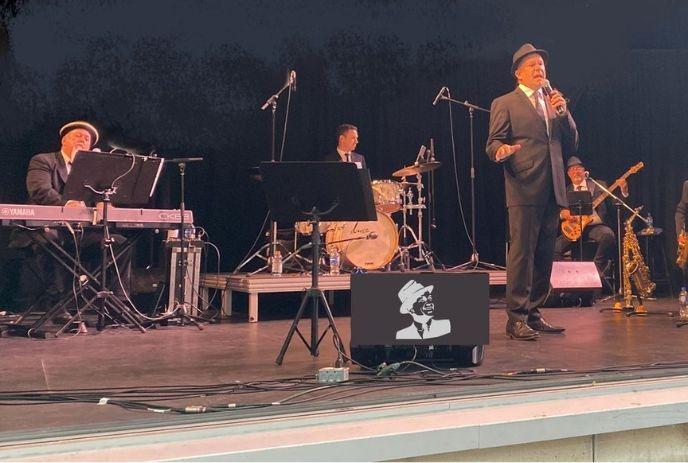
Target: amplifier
429, 316
193, 249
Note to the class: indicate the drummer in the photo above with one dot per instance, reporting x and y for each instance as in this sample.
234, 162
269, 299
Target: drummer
347, 139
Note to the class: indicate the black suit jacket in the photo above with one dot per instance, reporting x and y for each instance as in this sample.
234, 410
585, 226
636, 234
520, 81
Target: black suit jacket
46, 178
680, 215
45, 181
537, 169
355, 157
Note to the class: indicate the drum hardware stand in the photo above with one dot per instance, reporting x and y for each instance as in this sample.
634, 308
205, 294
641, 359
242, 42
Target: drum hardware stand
273, 244
315, 296
404, 251
474, 262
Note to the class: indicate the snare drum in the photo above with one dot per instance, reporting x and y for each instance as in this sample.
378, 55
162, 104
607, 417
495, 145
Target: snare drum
387, 195
357, 246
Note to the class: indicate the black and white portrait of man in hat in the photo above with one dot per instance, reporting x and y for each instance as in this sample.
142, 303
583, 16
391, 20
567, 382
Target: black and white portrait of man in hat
416, 301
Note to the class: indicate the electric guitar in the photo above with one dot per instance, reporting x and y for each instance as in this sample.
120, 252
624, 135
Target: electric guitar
572, 229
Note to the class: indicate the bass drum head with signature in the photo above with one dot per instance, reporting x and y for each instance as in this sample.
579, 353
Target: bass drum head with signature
359, 252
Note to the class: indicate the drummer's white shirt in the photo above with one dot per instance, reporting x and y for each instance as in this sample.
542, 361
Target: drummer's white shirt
342, 154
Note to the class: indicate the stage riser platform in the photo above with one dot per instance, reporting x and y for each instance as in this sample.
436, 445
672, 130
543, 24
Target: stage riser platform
254, 285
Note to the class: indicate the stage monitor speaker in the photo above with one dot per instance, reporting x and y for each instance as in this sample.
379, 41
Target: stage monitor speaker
432, 317
573, 284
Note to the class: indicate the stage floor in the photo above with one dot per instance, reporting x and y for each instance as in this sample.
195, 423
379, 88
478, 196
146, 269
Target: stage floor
235, 352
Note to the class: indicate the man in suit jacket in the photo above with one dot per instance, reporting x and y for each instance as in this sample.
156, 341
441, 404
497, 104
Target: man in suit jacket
347, 139
528, 137
45, 181
599, 229
681, 208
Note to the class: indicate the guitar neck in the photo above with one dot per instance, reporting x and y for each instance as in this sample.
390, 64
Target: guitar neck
611, 188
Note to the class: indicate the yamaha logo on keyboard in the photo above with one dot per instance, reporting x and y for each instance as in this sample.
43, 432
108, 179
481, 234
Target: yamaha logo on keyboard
17, 211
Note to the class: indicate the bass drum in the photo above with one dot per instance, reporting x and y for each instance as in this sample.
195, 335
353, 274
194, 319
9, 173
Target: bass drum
355, 246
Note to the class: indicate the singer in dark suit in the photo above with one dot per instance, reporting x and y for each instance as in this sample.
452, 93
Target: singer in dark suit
347, 139
529, 132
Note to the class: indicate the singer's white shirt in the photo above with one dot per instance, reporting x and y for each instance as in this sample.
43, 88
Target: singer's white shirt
529, 93
68, 162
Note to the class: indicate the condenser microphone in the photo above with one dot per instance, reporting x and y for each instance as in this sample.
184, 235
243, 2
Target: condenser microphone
439, 95
547, 90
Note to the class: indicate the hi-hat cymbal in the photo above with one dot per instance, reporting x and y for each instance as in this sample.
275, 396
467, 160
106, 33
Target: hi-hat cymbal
416, 169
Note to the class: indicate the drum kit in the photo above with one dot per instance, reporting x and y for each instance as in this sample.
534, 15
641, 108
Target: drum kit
385, 243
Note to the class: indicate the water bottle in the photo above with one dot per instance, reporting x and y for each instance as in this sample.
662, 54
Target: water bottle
334, 261
683, 303
276, 263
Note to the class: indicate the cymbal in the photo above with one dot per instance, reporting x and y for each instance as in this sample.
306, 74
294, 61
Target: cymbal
415, 169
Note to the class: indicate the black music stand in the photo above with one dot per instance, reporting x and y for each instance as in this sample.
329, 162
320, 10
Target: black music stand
580, 202
125, 179
299, 191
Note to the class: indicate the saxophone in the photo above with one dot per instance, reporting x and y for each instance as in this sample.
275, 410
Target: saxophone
635, 270
682, 252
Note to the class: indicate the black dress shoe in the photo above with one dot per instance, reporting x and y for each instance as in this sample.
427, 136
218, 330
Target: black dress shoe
520, 331
541, 325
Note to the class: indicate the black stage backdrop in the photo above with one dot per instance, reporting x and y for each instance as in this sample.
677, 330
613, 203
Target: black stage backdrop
187, 78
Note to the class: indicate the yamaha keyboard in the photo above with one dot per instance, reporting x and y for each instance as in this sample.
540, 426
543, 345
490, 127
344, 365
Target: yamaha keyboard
30, 215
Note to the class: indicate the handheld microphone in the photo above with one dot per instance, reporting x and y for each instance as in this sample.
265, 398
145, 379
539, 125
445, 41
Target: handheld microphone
292, 80
547, 90
439, 95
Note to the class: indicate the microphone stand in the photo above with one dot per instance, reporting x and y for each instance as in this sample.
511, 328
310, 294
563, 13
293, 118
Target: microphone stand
272, 246
181, 306
474, 262
619, 203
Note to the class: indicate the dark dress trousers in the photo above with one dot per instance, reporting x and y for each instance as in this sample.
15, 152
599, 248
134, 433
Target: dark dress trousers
600, 233
535, 190
355, 157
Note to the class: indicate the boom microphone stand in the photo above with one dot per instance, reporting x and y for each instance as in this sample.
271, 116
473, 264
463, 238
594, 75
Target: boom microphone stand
619, 203
474, 262
272, 246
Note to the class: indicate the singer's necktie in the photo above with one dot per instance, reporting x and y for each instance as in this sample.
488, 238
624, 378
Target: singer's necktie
538, 104
579, 188
537, 100
348, 157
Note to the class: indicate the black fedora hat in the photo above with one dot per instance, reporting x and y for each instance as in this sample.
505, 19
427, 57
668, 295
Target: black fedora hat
573, 161
525, 50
